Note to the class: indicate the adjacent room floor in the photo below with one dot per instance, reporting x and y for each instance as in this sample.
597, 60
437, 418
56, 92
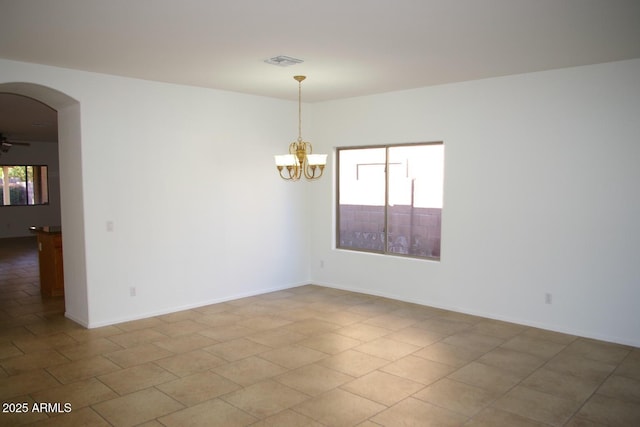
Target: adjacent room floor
308, 356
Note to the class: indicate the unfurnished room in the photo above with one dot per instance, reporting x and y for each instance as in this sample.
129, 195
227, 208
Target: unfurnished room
340, 213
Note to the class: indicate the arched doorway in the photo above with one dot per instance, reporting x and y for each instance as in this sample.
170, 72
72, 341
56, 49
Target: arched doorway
71, 196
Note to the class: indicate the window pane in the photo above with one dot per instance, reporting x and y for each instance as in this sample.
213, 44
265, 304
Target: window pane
416, 175
23, 185
361, 203
18, 185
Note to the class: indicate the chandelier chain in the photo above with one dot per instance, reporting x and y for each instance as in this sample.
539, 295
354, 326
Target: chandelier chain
299, 110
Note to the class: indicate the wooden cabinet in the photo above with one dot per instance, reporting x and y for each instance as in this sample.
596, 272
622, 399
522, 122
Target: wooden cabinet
50, 259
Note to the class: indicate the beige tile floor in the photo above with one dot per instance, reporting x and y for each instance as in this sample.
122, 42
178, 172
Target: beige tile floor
308, 356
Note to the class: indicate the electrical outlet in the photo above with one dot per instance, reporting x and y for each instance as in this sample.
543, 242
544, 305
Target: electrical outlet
110, 226
321, 263
547, 298
132, 291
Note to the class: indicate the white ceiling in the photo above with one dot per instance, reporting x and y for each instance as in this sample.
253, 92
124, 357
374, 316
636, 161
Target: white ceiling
349, 47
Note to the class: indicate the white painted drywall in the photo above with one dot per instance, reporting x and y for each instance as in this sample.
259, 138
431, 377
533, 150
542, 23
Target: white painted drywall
186, 177
541, 196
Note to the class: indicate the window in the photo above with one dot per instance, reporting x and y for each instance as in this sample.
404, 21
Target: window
390, 199
24, 185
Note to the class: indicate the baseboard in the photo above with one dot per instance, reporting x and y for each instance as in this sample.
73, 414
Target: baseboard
493, 316
81, 322
169, 310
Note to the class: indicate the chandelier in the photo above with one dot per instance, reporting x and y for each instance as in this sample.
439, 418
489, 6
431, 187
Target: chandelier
300, 161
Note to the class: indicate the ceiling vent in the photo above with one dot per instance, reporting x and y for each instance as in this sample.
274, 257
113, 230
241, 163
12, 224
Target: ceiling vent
283, 61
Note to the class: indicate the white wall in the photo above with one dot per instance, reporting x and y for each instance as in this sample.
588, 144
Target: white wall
186, 176
16, 220
541, 196
200, 215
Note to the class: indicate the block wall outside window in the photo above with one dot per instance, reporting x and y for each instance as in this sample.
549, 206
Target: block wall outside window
411, 231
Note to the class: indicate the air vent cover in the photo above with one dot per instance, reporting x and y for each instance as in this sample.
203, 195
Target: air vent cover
283, 61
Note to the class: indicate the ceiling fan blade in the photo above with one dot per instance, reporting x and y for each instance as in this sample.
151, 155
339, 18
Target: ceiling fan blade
6, 143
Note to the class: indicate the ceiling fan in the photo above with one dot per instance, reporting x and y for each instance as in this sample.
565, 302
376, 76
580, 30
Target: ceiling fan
5, 144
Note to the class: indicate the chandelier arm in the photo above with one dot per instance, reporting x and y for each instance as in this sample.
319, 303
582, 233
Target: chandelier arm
292, 172
311, 175
310, 171
281, 174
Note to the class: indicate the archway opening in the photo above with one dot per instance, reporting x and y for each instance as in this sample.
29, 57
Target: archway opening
71, 195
